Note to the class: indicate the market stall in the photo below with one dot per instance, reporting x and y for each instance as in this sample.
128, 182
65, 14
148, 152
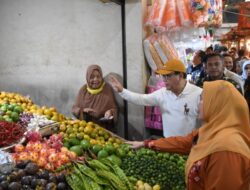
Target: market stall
42, 149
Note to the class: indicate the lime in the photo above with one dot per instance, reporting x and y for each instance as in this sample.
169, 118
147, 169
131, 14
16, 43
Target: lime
9, 120
8, 112
102, 154
85, 144
74, 141
77, 149
14, 116
109, 148
4, 108
11, 107
96, 148
18, 109
1, 118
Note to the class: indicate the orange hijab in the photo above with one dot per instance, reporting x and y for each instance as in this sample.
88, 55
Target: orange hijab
226, 126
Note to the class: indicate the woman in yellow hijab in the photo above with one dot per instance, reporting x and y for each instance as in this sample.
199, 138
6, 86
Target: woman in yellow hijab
219, 151
95, 100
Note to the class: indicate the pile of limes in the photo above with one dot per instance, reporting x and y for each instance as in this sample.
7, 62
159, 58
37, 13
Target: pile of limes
154, 167
10, 112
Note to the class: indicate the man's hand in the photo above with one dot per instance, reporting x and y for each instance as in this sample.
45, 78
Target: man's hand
135, 144
115, 84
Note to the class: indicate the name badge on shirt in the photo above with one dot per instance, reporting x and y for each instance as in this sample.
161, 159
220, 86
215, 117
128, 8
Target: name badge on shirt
186, 109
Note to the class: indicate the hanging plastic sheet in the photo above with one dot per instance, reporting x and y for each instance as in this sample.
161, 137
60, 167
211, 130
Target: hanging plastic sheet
173, 14
157, 12
184, 12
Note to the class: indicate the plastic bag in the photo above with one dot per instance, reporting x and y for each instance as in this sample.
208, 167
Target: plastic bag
169, 18
149, 58
6, 162
153, 116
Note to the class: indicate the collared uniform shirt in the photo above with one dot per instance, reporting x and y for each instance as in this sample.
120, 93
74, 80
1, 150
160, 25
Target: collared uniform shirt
179, 113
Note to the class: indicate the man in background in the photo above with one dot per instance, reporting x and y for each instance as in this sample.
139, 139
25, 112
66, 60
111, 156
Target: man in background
215, 71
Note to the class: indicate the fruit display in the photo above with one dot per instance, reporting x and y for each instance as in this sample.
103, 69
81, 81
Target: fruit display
10, 112
10, 133
28, 106
48, 154
154, 167
27, 176
50, 113
95, 174
140, 185
90, 156
79, 130
14, 98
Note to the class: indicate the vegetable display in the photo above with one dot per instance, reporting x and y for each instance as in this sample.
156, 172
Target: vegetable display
153, 167
97, 175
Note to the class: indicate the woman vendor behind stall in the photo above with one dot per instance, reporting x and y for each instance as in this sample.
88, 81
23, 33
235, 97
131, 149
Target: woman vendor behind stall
219, 151
95, 101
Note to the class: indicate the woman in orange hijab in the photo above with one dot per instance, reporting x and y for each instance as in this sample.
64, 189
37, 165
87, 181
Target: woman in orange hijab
96, 100
219, 151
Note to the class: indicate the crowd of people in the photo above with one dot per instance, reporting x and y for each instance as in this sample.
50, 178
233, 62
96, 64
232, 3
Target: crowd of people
221, 64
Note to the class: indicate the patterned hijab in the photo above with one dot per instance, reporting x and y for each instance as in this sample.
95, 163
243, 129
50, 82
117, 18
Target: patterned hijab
226, 126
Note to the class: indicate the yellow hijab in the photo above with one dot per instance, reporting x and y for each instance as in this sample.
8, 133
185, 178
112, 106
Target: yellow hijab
226, 126
95, 91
